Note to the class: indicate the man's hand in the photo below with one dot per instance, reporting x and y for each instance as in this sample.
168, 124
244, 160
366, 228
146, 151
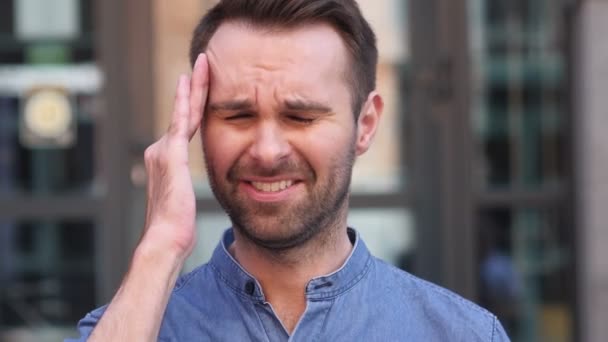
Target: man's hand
136, 311
170, 213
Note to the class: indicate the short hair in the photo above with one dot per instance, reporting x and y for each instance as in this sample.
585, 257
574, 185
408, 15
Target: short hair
343, 15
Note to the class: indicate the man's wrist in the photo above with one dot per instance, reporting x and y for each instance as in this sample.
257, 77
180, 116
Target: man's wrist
160, 254
143, 294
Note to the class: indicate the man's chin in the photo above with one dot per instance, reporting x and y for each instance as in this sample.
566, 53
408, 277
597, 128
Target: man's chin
271, 237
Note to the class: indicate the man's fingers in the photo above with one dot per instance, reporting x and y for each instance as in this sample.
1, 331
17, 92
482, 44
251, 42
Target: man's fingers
190, 98
199, 86
181, 108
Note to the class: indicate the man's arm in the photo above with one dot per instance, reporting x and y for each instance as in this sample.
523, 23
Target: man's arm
135, 313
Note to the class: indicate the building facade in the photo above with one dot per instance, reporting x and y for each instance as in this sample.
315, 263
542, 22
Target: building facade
488, 175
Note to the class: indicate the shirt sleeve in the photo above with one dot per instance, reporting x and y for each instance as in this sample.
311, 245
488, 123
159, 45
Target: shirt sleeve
498, 333
87, 324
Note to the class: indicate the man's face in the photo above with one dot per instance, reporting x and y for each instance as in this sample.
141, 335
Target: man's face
279, 134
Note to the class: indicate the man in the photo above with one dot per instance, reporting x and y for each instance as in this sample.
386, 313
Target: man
283, 93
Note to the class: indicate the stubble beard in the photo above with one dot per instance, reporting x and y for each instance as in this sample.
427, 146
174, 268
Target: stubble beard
277, 227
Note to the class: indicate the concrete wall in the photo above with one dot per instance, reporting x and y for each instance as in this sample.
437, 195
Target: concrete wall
591, 158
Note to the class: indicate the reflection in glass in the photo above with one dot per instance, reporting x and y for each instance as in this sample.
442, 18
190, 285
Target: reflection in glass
46, 275
525, 274
519, 101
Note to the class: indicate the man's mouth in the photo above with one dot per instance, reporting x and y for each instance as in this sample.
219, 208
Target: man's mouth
272, 186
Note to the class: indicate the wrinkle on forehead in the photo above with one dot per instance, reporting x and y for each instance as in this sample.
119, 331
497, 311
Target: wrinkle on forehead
246, 62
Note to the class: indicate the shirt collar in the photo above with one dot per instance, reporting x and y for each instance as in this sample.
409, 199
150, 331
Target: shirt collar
324, 287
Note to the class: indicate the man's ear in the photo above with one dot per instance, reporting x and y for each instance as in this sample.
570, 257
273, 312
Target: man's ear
368, 121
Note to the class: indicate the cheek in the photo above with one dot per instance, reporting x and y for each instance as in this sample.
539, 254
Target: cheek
219, 150
323, 147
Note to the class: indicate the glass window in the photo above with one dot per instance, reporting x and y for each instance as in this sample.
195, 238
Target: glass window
16, 50
46, 278
520, 116
525, 272
48, 107
48, 122
520, 103
32, 164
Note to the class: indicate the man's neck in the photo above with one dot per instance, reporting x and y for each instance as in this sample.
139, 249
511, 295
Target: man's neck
297, 265
284, 275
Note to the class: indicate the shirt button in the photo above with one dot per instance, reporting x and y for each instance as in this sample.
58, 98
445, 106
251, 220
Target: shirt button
250, 288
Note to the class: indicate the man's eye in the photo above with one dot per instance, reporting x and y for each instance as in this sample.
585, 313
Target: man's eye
300, 119
239, 116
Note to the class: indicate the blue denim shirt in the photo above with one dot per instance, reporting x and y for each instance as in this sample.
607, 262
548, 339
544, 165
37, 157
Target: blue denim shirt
365, 300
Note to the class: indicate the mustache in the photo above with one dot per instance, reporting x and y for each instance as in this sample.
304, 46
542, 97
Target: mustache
242, 169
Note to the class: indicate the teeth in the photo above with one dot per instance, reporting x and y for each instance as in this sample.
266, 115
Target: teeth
272, 186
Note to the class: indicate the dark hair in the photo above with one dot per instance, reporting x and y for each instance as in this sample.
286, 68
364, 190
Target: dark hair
344, 15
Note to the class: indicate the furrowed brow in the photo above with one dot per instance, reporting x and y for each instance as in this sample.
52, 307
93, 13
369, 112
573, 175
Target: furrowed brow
230, 105
307, 106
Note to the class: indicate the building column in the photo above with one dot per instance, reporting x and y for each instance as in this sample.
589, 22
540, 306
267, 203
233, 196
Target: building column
591, 167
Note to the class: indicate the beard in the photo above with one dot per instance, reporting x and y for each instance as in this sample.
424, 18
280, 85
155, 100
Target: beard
292, 223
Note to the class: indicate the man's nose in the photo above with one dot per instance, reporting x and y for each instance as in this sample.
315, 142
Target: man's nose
270, 144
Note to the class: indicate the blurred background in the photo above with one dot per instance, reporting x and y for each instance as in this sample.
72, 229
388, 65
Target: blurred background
489, 174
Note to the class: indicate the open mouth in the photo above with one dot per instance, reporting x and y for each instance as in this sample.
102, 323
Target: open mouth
272, 186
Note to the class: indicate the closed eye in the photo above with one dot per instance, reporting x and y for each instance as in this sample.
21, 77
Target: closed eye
239, 116
300, 119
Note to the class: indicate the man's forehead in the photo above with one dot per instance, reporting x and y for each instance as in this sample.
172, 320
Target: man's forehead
240, 42
300, 60
237, 27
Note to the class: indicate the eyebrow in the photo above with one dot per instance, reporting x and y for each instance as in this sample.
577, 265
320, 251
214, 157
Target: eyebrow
307, 106
231, 105
291, 105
